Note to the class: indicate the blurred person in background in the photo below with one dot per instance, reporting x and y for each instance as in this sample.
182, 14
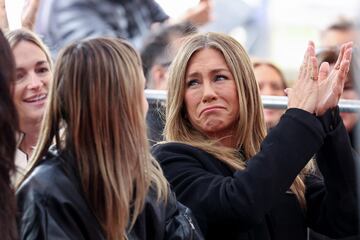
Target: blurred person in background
159, 49
341, 31
62, 22
8, 128
157, 53
271, 82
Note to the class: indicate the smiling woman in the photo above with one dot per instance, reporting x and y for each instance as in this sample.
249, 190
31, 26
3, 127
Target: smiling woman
32, 78
33, 75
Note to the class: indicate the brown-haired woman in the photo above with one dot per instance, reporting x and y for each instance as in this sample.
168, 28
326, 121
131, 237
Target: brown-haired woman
239, 183
102, 182
8, 128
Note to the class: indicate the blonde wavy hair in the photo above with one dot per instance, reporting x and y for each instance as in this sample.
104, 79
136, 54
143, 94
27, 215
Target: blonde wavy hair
96, 85
250, 129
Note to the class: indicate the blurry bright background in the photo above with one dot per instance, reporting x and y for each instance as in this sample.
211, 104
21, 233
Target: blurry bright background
14, 8
289, 24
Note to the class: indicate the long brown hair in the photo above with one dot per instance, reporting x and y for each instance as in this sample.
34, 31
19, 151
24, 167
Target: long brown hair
8, 126
250, 130
97, 97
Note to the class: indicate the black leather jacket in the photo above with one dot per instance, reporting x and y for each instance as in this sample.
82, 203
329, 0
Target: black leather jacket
52, 206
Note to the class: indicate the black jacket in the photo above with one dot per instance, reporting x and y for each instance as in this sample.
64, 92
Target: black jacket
256, 203
52, 206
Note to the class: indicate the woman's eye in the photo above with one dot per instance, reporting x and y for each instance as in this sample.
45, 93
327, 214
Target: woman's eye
220, 77
192, 82
43, 70
19, 76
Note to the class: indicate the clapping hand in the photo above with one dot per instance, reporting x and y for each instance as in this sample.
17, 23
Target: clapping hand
304, 94
331, 84
318, 90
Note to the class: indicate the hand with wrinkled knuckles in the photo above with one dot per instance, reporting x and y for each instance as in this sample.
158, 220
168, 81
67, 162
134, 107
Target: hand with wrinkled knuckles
317, 88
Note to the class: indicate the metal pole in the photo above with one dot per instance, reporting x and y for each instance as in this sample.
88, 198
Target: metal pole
277, 102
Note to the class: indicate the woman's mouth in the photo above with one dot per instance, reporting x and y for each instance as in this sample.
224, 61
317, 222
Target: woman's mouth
36, 98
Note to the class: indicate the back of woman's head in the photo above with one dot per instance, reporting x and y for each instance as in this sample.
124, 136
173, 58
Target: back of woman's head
97, 83
97, 98
8, 126
14, 37
250, 128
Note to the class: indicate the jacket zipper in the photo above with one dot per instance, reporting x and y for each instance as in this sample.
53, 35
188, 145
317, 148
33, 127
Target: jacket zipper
191, 224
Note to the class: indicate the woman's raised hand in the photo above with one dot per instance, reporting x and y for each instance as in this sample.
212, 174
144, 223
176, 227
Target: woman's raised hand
305, 92
331, 84
318, 90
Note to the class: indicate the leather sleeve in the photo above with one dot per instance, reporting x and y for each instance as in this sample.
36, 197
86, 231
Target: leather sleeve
50, 206
45, 218
168, 220
180, 222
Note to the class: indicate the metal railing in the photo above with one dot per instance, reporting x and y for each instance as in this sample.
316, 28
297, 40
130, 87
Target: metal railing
277, 102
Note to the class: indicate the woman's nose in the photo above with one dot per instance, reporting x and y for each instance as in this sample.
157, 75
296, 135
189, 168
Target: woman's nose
209, 93
35, 82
